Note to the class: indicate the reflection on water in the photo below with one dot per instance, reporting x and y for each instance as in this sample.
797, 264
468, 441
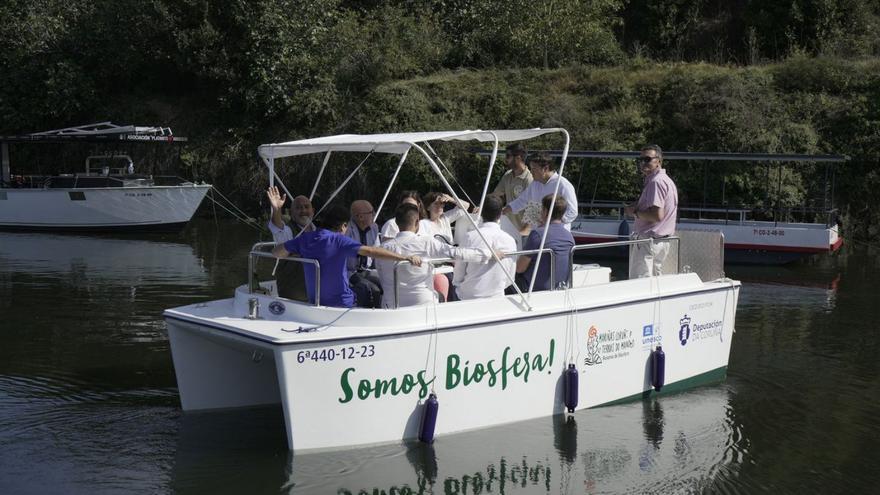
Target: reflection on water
596, 451
88, 400
100, 259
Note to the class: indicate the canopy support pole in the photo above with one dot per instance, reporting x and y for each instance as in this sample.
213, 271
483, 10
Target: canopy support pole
489, 174
391, 184
270, 164
550, 214
451, 175
344, 183
471, 220
4, 150
320, 174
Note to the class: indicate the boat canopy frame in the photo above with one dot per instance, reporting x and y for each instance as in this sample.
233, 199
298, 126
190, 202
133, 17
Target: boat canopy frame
769, 158
98, 132
401, 144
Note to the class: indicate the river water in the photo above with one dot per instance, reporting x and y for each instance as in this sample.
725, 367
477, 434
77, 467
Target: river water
88, 400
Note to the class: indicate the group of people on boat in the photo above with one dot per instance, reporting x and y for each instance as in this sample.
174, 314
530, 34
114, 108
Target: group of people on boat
358, 259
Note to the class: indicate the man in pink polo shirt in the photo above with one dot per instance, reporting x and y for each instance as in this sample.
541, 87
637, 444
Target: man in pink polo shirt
655, 215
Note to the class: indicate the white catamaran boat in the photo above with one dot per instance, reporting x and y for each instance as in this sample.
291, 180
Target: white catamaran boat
106, 196
348, 377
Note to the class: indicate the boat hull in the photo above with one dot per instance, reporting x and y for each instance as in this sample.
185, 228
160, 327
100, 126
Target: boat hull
368, 387
749, 243
153, 208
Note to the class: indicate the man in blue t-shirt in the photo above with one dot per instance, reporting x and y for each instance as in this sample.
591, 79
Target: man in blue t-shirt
331, 248
559, 239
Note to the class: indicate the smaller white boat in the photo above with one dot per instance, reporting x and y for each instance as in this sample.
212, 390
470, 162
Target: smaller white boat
107, 195
773, 234
746, 241
348, 377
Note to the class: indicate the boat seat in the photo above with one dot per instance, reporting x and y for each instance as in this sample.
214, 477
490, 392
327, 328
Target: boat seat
590, 274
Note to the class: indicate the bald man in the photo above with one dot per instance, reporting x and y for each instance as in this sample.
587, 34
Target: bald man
301, 213
290, 276
363, 279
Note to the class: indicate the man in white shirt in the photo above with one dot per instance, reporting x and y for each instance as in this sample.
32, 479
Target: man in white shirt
301, 213
543, 170
474, 281
290, 275
416, 283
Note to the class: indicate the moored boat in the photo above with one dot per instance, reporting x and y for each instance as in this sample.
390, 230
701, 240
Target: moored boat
746, 241
107, 196
768, 234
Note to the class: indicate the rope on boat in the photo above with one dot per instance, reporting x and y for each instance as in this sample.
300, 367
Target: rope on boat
435, 337
228, 201
571, 326
655, 317
232, 209
451, 175
735, 301
315, 328
857, 241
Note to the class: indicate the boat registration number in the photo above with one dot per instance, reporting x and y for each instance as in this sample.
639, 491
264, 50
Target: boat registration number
331, 354
776, 232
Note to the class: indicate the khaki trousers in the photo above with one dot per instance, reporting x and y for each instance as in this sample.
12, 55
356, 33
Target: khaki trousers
646, 260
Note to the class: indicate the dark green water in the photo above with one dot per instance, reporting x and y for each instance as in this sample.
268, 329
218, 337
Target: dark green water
88, 402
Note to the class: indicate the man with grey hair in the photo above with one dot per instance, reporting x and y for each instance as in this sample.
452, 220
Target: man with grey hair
290, 276
655, 214
362, 269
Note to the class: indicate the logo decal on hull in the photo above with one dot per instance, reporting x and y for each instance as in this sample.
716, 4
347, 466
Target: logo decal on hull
684, 332
276, 308
606, 345
699, 330
593, 356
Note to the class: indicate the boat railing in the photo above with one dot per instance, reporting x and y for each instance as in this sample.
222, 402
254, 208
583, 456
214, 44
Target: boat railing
259, 250
723, 213
449, 260
80, 180
632, 242
592, 208
103, 169
708, 213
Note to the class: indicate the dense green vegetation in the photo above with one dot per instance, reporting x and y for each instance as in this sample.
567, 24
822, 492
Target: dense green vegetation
793, 76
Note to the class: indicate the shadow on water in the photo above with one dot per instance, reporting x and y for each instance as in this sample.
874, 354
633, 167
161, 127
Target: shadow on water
239, 451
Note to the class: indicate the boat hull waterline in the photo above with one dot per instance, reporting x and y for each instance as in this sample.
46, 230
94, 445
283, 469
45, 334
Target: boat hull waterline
492, 364
100, 209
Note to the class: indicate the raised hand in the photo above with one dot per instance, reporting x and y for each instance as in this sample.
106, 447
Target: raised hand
276, 199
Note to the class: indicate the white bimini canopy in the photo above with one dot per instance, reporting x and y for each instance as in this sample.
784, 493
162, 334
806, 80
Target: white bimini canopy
401, 144
395, 143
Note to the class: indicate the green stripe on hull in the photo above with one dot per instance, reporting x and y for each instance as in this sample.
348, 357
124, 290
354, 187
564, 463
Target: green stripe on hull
713, 376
